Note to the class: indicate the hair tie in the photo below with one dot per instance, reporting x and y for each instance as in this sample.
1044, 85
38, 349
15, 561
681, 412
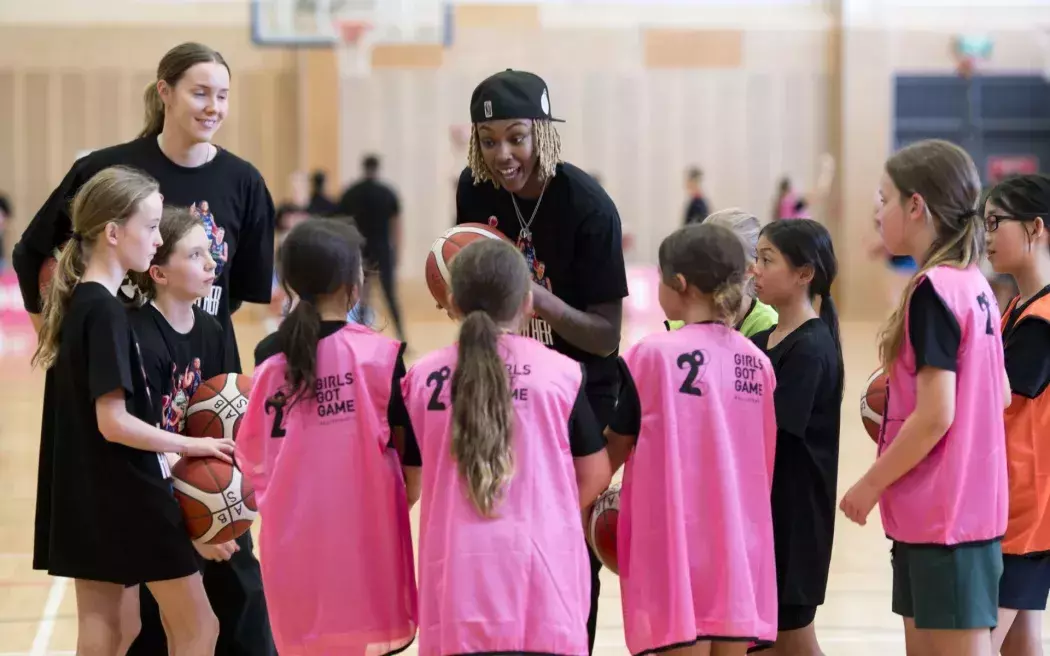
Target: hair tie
77, 237
968, 214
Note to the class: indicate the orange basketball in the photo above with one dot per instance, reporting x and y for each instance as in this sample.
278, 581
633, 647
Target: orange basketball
444, 250
601, 529
217, 502
873, 403
215, 409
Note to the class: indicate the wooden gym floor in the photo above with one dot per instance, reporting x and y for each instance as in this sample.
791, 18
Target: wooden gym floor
38, 614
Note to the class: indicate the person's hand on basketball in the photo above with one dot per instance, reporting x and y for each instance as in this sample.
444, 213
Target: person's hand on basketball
217, 552
204, 447
859, 501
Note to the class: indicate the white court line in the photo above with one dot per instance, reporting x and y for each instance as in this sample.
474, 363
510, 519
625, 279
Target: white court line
47, 620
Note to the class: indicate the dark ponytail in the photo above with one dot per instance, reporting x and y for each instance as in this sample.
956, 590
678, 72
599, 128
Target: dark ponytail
490, 282
297, 336
830, 316
482, 415
319, 257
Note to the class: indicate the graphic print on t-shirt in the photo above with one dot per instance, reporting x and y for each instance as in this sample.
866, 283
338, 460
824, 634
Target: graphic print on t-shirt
219, 252
536, 328
174, 404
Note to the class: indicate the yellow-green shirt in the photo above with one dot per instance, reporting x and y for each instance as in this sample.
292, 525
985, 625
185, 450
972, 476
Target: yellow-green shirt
760, 317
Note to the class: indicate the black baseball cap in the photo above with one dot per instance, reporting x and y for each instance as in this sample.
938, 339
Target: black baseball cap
511, 94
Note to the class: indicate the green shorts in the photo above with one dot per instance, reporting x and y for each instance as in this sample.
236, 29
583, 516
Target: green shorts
947, 587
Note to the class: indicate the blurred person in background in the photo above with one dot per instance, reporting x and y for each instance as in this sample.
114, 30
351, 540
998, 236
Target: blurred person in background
376, 210
696, 208
5, 215
320, 204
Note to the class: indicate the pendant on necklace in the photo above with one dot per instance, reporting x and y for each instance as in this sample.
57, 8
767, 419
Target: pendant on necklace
525, 234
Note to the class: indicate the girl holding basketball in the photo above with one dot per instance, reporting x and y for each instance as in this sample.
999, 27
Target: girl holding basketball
940, 477
700, 397
753, 316
511, 453
1016, 216
319, 441
796, 267
106, 514
181, 345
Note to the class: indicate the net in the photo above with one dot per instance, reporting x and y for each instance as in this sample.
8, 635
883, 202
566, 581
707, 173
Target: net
355, 50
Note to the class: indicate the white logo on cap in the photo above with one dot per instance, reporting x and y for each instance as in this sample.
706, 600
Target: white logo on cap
545, 103
488, 109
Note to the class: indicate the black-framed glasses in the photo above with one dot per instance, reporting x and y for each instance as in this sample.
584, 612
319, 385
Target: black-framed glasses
992, 221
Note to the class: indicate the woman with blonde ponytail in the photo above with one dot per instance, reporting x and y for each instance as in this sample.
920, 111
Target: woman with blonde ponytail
100, 464
511, 453
184, 109
941, 477
695, 416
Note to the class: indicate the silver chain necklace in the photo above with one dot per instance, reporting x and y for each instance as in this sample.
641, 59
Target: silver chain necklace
525, 233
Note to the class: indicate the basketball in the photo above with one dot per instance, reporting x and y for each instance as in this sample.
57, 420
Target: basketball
215, 409
217, 502
47, 271
601, 529
444, 249
873, 404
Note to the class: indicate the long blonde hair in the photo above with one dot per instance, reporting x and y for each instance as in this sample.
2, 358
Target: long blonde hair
173, 65
946, 178
111, 196
545, 141
490, 282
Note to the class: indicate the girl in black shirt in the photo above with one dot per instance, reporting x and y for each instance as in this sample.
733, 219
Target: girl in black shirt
185, 108
796, 265
181, 346
106, 514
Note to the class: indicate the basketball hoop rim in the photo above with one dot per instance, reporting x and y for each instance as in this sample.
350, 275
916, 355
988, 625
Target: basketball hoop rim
352, 30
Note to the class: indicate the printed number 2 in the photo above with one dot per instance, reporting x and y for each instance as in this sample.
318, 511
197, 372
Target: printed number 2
694, 361
276, 404
982, 301
437, 379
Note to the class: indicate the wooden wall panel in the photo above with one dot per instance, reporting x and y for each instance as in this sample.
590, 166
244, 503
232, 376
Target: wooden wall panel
409, 55
74, 117
8, 128
683, 49
36, 99
319, 100
497, 16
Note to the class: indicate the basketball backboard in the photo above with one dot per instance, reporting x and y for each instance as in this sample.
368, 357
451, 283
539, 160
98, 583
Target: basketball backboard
292, 23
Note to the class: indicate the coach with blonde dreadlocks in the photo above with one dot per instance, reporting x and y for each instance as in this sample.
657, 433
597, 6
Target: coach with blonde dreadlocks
563, 222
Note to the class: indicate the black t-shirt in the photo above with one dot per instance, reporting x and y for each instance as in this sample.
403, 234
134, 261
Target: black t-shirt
396, 412
1027, 350
88, 487
696, 210
177, 363
228, 193
576, 253
808, 402
933, 330
372, 205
